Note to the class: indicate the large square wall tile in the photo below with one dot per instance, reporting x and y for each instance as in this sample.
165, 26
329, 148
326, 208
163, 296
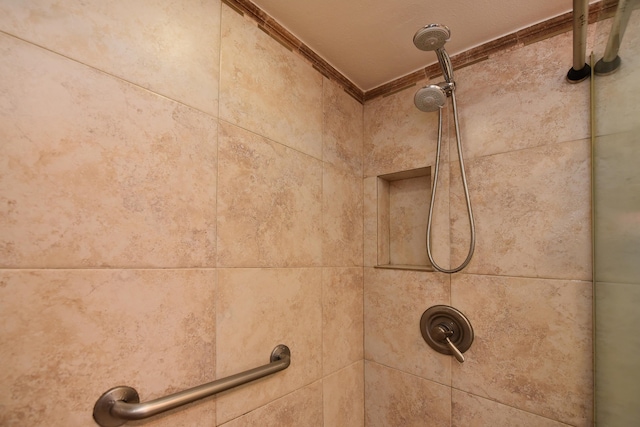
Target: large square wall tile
523, 104
396, 398
341, 217
532, 348
468, 410
68, 336
532, 212
149, 43
398, 136
97, 172
342, 140
394, 301
342, 317
269, 203
268, 89
303, 407
257, 310
343, 397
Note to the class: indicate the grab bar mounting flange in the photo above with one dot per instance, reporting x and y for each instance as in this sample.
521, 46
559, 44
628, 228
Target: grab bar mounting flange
102, 410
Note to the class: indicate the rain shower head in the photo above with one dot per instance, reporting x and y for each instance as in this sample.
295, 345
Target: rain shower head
431, 37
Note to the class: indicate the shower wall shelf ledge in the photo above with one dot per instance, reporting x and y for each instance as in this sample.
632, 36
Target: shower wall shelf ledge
402, 210
405, 267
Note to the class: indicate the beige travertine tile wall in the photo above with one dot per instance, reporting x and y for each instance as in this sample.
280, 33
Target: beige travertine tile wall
179, 194
68, 335
150, 44
83, 154
396, 398
527, 291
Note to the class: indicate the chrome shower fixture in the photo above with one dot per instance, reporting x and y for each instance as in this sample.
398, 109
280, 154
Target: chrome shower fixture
433, 97
433, 37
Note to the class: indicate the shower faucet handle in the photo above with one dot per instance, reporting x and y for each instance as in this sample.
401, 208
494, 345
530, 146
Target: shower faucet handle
446, 330
442, 332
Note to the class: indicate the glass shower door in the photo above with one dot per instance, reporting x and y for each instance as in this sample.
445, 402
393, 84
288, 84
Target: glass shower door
616, 198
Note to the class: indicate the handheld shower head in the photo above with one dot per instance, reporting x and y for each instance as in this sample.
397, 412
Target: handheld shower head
431, 37
431, 97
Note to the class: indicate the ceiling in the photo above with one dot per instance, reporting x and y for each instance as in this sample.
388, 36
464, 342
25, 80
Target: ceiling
370, 41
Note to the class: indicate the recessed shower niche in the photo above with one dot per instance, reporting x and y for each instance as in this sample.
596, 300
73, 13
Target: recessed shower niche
403, 208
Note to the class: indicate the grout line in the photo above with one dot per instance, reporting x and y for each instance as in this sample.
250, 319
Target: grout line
268, 138
507, 405
408, 373
526, 277
498, 153
217, 185
216, 308
451, 388
115, 268
117, 77
323, 278
284, 267
114, 76
506, 276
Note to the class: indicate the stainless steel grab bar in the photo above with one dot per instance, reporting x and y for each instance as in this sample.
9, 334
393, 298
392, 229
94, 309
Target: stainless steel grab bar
121, 404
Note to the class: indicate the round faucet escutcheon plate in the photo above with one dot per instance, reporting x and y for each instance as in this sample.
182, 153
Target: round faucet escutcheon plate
440, 318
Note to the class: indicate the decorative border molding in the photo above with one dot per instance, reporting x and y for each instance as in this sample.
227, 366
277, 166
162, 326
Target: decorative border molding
543, 30
291, 42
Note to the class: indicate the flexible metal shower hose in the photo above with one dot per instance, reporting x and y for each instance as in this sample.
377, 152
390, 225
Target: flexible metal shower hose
472, 227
